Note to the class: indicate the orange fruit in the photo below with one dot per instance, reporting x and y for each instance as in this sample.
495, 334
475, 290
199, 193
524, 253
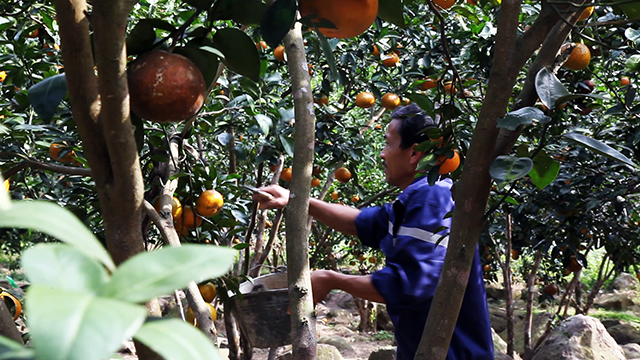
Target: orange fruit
208, 291
376, 51
624, 81
515, 254
278, 53
574, 265
272, 168
315, 182
189, 219
322, 100
390, 101
355, 198
261, 45
586, 13
449, 88
365, 100
378, 127
487, 268
428, 84
55, 149
3, 75
176, 207
7, 185
286, 174
448, 165
580, 57
191, 318
444, 4
390, 59
473, 2
209, 203
335, 195
551, 289
373, 260
349, 17
34, 33
342, 174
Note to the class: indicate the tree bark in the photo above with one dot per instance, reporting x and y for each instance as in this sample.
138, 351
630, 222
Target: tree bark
529, 314
300, 297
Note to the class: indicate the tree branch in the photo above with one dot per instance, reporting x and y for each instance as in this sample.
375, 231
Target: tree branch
34, 164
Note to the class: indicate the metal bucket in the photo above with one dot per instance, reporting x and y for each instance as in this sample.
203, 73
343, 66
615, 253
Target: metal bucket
262, 311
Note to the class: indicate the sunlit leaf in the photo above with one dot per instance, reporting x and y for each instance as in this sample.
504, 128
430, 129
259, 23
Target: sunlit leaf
523, 116
264, 122
175, 339
545, 170
509, 168
77, 326
549, 88
160, 272
600, 147
58, 222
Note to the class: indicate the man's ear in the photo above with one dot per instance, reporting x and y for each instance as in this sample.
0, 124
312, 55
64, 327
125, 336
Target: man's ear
416, 155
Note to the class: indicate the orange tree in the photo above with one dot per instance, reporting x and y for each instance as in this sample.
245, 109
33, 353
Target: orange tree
247, 122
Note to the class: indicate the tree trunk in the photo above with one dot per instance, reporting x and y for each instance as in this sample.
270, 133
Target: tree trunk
528, 354
303, 323
508, 293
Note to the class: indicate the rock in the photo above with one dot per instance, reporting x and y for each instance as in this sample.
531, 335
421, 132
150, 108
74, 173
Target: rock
495, 293
498, 343
340, 299
631, 351
385, 353
323, 352
580, 337
624, 333
618, 301
339, 342
538, 326
383, 320
625, 281
498, 355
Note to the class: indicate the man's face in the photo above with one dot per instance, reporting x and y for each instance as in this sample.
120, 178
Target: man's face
399, 164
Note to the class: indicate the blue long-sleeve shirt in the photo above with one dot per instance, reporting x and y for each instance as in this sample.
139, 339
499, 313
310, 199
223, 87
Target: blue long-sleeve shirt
413, 265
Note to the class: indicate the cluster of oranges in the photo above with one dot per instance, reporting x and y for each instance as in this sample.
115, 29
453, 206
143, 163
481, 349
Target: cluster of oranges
389, 101
208, 292
186, 218
62, 152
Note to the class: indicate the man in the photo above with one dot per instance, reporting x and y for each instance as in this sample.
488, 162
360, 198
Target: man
407, 232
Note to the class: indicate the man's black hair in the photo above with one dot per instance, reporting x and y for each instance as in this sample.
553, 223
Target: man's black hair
413, 121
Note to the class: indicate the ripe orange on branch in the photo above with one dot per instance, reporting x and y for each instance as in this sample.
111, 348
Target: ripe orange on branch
208, 291
165, 87
580, 57
428, 84
349, 17
342, 174
444, 4
390, 101
176, 207
286, 174
390, 60
278, 53
209, 203
365, 100
448, 165
191, 318
586, 13
189, 218
7, 185
55, 150
624, 81
3, 75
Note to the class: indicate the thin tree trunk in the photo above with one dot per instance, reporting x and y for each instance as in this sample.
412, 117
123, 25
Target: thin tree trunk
300, 297
233, 333
529, 314
507, 286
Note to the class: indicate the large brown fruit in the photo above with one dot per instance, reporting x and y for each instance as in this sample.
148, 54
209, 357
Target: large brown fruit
165, 87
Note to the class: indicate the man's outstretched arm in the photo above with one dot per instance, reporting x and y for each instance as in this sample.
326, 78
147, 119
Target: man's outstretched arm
323, 281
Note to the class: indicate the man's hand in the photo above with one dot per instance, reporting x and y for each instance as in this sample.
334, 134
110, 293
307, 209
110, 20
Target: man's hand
280, 197
322, 284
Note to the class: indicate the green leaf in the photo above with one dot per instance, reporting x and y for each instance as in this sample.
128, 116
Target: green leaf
175, 339
12, 350
264, 122
141, 38
70, 325
509, 168
544, 171
523, 116
287, 143
391, 12
631, 9
633, 62
246, 12
549, 88
206, 61
600, 147
328, 54
240, 52
424, 102
160, 272
58, 222
46, 95
161, 24
277, 21
61, 266
200, 4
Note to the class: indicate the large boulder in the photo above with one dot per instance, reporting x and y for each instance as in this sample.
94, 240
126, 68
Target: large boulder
339, 342
538, 327
323, 352
617, 301
625, 281
580, 337
383, 320
500, 348
631, 351
624, 333
384, 353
